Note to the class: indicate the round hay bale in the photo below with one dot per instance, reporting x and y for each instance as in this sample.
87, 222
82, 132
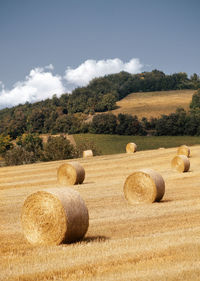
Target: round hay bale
54, 216
144, 186
180, 163
131, 147
87, 153
70, 173
183, 150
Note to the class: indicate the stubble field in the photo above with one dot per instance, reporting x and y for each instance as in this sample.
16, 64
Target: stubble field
159, 241
154, 104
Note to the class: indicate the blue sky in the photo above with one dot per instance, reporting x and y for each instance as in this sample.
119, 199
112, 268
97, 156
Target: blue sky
51, 46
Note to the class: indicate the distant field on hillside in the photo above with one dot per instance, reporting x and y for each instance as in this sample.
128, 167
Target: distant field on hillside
113, 144
154, 104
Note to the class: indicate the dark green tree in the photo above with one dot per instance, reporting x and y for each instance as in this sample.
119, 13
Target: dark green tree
31, 143
195, 103
129, 125
195, 80
58, 148
104, 124
5, 143
18, 156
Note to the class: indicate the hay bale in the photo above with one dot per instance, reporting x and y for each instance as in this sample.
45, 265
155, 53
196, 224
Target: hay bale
180, 163
131, 147
70, 173
87, 153
54, 216
183, 150
144, 186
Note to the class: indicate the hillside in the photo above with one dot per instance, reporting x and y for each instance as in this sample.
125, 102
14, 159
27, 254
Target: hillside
157, 241
67, 113
154, 104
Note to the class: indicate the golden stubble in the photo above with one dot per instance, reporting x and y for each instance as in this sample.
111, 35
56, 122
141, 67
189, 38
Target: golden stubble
154, 104
158, 241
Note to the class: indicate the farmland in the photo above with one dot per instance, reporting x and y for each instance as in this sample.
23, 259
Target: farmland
113, 144
159, 241
154, 104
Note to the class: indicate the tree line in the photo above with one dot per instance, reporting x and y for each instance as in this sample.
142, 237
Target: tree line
68, 112
29, 147
177, 123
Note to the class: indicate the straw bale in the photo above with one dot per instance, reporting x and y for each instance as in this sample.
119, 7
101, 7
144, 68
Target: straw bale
54, 216
87, 153
131, 147
144, 186
70, 173
180, 163
183, 150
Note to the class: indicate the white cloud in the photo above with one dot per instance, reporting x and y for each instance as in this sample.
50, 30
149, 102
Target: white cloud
41, 83
90, 69
38, 85
50, 67
1, 85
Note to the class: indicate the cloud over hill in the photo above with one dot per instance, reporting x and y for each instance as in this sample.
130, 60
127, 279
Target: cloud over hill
41, 83
90, 69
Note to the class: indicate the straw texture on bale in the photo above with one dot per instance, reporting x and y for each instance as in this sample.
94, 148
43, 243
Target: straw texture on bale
131, 147
144, 186
87, 153
70, 173
54, 216
183, 150
180, 163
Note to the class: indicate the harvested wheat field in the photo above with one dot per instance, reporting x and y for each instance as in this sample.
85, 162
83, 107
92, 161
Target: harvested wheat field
155, 241
154, 104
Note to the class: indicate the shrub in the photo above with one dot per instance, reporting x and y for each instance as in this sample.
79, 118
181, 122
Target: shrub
195, 103
104, 124
129, 125
18, 156
5, 143
86, 146
31, 143
58, 148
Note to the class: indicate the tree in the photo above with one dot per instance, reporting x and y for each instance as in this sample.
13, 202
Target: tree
195, 103
18, 156
36, 121
172, 124
31, 143
5, 143
129, 125
58, 148
17, 123
80, 147
104, 124
108, 102
195, 81
192, 124
63, 124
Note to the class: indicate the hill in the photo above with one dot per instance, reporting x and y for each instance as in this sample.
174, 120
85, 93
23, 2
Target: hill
68, 113
154, 104
151, 242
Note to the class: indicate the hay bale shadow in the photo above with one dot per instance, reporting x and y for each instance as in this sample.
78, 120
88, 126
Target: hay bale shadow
98, 238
